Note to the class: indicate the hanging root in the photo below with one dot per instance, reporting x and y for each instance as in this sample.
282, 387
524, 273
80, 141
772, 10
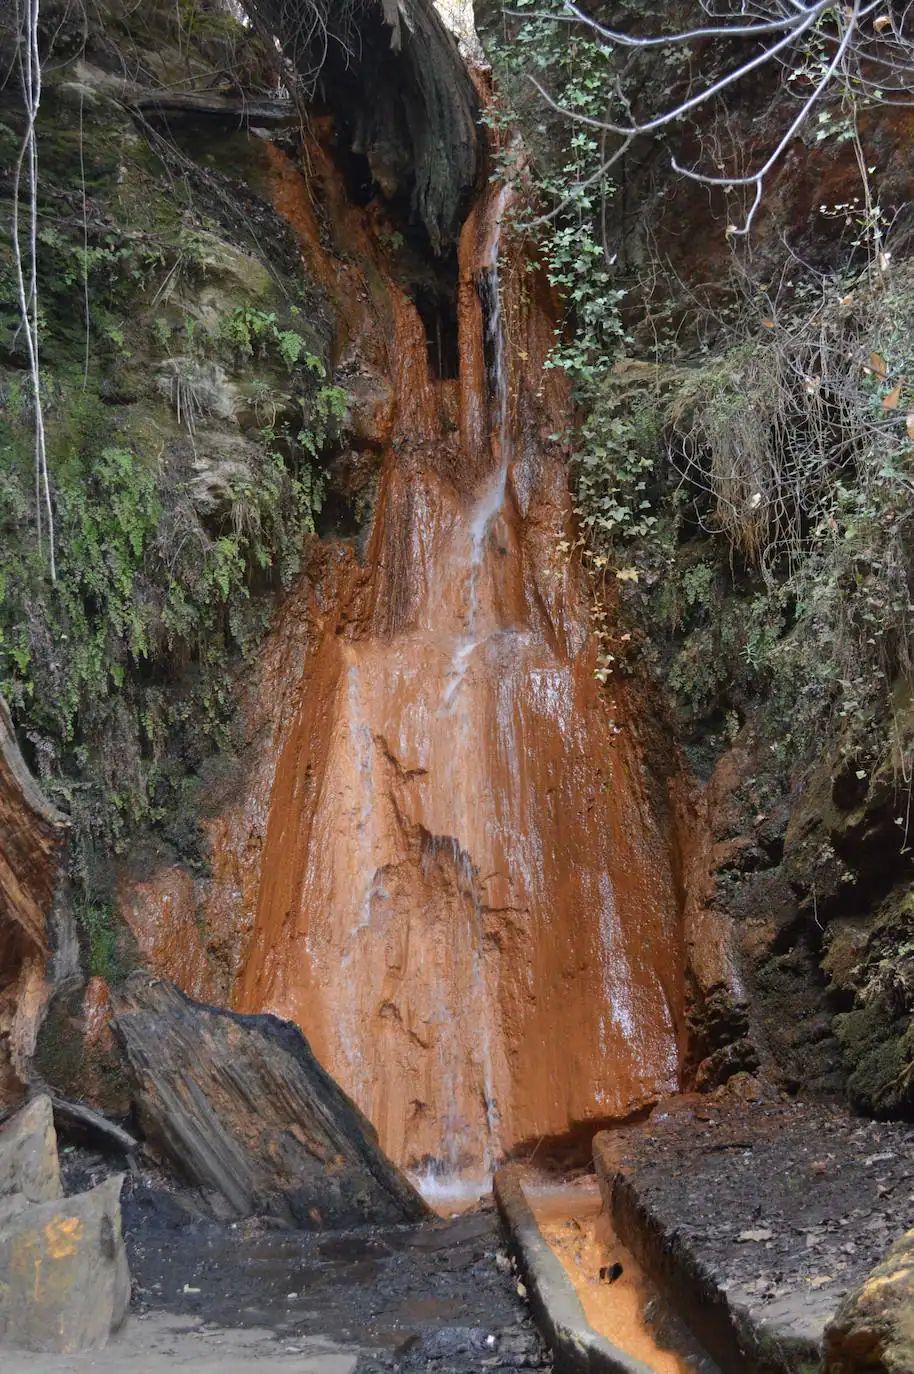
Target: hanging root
25, 255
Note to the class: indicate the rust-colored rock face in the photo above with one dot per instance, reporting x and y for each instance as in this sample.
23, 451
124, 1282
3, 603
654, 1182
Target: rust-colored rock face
161, 914
31, 834
444, 867
463, 900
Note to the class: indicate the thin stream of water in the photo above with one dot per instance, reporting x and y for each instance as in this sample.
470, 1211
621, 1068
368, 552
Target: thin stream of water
448, 1185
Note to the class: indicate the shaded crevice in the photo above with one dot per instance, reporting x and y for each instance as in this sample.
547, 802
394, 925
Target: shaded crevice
403, 774
401, 96
438, 312
389, 1011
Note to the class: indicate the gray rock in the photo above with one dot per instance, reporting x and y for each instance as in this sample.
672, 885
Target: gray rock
228, 112
11, 1207
242, 1108
64, 1281
28, 1154
404, 93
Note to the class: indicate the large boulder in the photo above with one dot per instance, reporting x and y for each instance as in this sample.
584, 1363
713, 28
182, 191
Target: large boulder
64, 1281
29, 1167
873, 1329
242, 1108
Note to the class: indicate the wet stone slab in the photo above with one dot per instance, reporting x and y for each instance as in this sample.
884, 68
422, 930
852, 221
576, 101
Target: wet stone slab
757, 1219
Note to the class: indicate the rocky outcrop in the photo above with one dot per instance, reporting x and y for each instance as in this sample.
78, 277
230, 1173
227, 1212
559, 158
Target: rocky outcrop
32, 832
814, 879
240, 1106
28, 1154
873, 1330
64, 1281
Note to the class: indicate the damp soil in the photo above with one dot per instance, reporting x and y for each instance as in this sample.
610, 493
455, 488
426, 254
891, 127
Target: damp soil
436, 1297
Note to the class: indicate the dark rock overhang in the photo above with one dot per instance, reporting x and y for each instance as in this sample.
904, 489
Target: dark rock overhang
400, 93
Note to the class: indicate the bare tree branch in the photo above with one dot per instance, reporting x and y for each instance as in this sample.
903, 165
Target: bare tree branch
855, 47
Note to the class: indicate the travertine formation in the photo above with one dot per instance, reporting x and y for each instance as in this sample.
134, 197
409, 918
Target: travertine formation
463, 898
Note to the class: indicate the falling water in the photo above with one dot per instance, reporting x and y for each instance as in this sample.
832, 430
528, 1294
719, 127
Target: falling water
462, 898
443, 1179
492, 497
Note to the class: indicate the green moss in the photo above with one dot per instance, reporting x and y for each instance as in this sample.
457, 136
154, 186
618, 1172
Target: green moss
146, 592
100, 931
120, 673
60, 1053
878, 1049
77, 1071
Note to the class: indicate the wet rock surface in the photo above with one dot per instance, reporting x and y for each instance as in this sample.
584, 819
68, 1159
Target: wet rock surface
32, 833
756, 1220
410, 898
240, 1106
578, 1345
426, 1297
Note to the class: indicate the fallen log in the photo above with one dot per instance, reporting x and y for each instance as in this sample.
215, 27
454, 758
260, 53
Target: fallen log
76, 1115
231, 110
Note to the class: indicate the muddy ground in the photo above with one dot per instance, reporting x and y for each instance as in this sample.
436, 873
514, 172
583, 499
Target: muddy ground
223, 1298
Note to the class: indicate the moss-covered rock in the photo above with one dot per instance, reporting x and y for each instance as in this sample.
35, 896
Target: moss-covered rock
191, 422
879, 1051
872, 964
873, 1329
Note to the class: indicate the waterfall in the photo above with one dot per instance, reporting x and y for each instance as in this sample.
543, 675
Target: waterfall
491, 499
442, 1178
462, 897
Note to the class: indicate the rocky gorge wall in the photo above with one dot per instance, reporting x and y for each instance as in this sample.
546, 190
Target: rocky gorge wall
780, 652
479, 880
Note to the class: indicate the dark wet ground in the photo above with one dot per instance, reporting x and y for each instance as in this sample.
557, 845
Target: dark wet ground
437, 1297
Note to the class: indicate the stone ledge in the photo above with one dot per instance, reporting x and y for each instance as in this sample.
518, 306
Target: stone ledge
576, 1347
756, 1220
